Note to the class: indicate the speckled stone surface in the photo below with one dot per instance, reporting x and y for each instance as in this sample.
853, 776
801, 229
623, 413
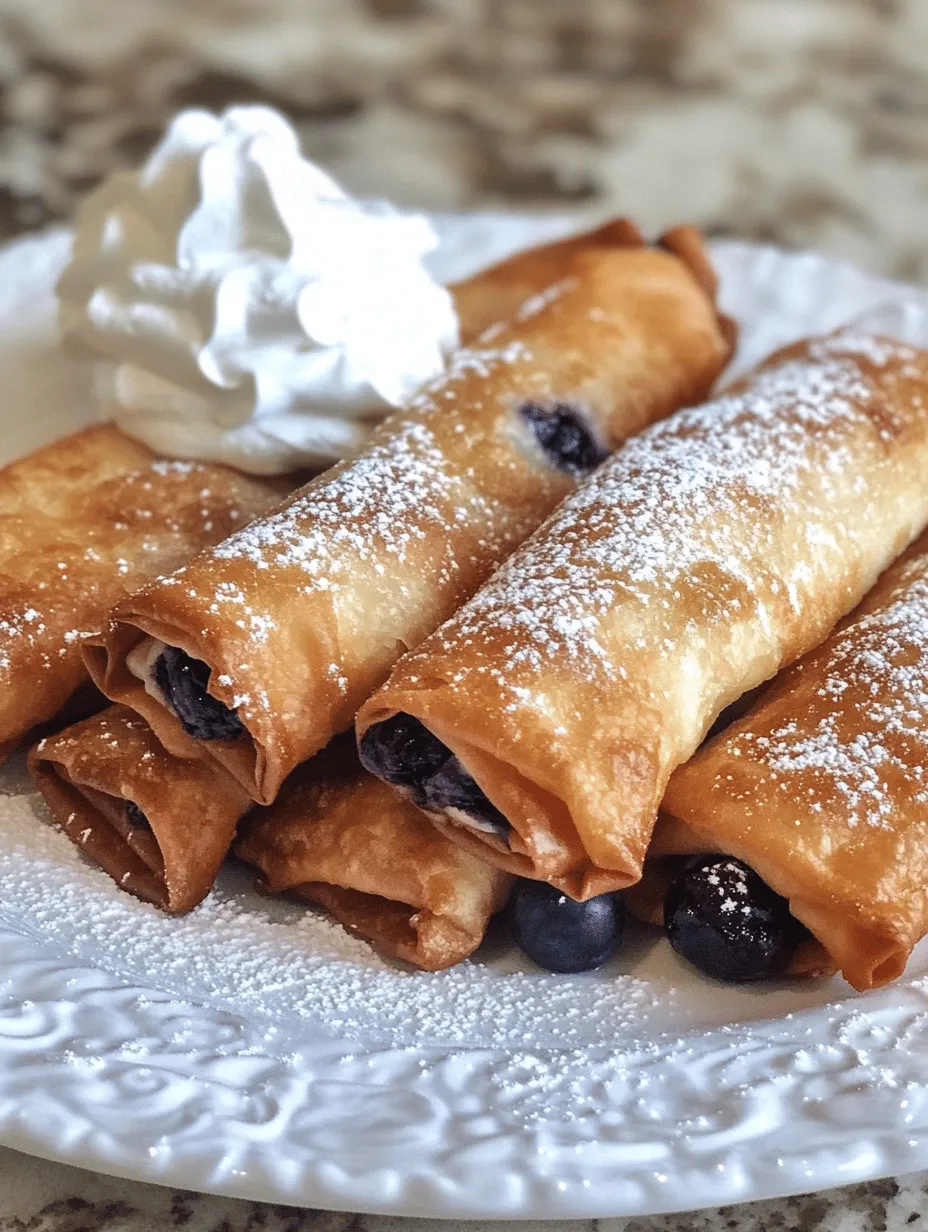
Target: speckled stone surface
42, 1197
803, 122
799, 121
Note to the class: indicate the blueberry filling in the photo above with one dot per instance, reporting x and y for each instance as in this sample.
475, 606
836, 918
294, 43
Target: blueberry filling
720, 916
565, 437
183, 682
562, 935
404, 752
452, 789
135, 817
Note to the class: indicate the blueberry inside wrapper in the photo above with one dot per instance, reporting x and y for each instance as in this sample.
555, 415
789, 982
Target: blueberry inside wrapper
184, 682
565, 437
404, 752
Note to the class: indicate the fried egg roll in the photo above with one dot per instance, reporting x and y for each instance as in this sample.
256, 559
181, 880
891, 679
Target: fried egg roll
263, 648
822, 789
338, 837
539, 726
496, 294
83, 522
161, 826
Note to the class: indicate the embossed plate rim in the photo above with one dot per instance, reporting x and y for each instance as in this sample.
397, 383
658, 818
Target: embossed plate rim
107, 1074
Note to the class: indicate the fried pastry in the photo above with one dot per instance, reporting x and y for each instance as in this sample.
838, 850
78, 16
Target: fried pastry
822, 791
339, 837
161, 826
263, 648
539, 726
496, 294
83, 522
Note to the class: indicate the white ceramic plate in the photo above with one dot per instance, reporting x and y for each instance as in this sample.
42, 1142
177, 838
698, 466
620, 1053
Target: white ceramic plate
254, 1049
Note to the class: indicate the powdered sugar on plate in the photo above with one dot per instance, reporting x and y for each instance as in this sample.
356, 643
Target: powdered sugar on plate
271, 958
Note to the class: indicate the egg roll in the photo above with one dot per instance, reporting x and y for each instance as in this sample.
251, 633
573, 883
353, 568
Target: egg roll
496, 294
822, 788
339, 837
159, 825
262, 649
539, 726
84, 521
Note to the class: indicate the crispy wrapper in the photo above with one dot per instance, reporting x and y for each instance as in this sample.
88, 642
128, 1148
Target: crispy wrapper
83, 522
712, 550
302, 616
496, 294
169, 855
822, 788
339, 837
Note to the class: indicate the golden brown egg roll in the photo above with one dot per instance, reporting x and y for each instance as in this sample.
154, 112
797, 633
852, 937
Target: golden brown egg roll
262, 649
540, 725
83, 522
496, 294
822, 788
339, 837
161, 826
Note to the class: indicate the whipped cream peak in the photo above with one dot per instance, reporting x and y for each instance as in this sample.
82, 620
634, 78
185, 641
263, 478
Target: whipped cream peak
248, 310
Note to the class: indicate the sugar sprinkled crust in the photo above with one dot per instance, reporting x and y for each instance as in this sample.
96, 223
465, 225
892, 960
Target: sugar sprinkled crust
370, 557
381, 503
874, 723
385, 507
397, 493
696, 495
130, 510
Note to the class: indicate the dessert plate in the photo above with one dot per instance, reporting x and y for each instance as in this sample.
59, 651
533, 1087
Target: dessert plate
255, 1049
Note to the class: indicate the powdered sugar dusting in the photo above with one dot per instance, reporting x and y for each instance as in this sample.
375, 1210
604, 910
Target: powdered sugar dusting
380, 505
71, 567
268, 957
386, 502
688, 508
537, 303
394, 537
878, 350
871, 733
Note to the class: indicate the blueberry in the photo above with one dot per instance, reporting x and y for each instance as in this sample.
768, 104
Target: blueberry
562, 935
135, 817
453, 788
183, 681
404, 752
565, 437
726, 921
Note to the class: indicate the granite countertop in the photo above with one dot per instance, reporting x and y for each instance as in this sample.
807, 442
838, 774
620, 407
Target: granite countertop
804, 122
801, 122
41, 1197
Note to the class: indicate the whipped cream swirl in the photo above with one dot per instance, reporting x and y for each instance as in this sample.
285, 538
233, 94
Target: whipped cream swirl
249, 311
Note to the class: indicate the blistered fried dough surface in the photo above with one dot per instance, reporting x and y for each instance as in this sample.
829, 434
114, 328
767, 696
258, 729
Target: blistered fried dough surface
301, 616
823, 788
169, 845
339, 837
712, 550
83, 522
496, 294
